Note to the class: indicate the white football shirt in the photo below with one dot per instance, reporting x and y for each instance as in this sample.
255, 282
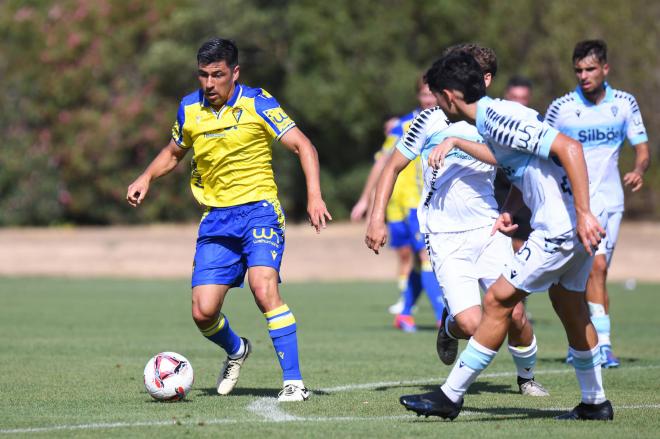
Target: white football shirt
521, 143
458, 196
602, 129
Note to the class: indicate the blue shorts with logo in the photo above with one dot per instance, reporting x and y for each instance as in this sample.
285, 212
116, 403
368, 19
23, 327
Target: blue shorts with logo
232, 239
406, 233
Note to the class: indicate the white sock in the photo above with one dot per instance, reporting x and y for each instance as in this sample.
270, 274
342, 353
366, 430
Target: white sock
462, 375
588, 373
525, 359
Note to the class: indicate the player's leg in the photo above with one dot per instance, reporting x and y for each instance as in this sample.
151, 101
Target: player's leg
567, 297
263, 247
597, 295
408, 279
217, 268
447, 402
521, 340
583, 345
451, 257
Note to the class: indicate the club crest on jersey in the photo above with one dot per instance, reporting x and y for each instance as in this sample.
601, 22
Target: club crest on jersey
237, 112
615, 110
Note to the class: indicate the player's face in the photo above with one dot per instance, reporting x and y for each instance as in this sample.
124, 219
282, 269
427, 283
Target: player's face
426, 98
217, 80
590, 74
519, 94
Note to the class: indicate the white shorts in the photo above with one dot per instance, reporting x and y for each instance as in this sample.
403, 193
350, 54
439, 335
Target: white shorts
465, 261
611, 226
544, 261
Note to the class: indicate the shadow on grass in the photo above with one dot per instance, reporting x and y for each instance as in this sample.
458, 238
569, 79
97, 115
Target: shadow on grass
500, 414
253, 391
562, 360
476, 389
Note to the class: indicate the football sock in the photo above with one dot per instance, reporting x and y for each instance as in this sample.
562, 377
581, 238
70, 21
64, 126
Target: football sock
588, 373
448, 320
525, 359
282, 331
433, 289
471, 362
601, 322
221, 334
412, 292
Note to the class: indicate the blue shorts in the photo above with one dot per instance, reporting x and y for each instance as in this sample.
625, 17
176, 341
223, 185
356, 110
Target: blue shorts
406, 233
232, 239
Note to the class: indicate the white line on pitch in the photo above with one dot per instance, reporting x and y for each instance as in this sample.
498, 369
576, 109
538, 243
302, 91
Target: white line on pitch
349, 387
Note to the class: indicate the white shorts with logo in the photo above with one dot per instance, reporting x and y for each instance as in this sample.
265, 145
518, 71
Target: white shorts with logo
611, 226
465, 261
544, 261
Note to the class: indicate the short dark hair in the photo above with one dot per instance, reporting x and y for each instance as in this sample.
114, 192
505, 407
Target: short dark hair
218, 49
597, 48
485, 56
519, 81
457, 71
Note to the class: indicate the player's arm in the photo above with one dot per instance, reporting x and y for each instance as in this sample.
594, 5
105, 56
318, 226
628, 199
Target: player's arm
299, 143
570, 155
635, 178
362, 205
479, 151
165, 161
376, 230
513, 203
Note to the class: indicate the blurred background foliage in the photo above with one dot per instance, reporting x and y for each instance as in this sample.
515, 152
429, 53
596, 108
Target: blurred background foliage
89, 89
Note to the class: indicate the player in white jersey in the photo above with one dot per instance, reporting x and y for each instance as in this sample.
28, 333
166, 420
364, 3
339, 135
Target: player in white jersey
601, 118
548, 168
456, 215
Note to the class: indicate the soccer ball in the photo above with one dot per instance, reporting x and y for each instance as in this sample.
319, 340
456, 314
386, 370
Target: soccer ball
168, 376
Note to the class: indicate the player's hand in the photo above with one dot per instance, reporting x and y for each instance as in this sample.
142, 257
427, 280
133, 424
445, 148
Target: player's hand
589, 231
438, 154
504, 224
359, 210
376, 235
138, 190
317, 213
633, 179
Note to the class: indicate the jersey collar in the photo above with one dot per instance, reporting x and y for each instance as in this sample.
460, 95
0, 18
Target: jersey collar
609, 95
238, 92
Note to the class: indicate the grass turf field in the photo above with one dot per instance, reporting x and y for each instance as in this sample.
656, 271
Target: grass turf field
73, 351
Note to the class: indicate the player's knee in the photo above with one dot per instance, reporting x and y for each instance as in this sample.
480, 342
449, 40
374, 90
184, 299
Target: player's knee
469, 325
202, 316
599, 268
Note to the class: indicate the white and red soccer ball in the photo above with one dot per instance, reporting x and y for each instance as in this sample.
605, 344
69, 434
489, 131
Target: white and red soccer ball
168, 376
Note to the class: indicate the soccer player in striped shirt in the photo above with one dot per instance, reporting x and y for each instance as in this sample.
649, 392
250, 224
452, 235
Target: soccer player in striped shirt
549, 170
230, 127
601, 118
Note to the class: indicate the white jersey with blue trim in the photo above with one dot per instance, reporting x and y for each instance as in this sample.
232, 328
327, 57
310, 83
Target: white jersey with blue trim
459, 196
602, 129
521, 143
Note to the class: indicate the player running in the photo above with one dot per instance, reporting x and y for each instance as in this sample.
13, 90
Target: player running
549, 170
230, 128
401, 213
601, 118
457, 217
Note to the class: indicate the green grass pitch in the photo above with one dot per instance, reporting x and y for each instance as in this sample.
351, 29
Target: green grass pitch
73, 351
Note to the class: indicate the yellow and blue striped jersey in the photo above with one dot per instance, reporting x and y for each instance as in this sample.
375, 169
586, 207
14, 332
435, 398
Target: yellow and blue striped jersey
232, 153
407, 189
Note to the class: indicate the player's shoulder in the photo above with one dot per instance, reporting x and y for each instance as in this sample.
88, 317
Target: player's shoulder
621, 96
430, 119
569, 98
